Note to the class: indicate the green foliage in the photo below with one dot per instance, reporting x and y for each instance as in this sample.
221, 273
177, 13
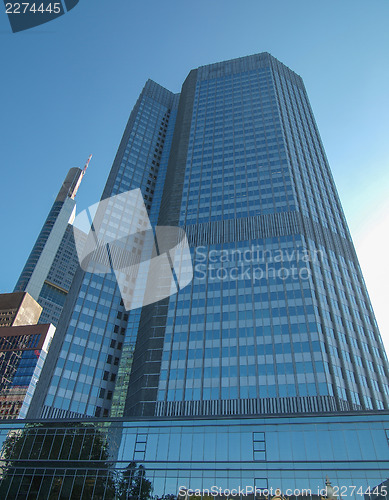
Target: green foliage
77, 461
134, 484
71, 460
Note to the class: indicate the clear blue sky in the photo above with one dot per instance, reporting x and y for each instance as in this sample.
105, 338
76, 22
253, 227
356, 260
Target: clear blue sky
68, 88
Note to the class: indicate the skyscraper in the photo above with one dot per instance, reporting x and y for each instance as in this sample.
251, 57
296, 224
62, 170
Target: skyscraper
273, 344
277, 318
49, 270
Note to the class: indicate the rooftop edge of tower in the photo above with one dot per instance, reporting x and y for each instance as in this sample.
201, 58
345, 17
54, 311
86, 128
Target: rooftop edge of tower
246, 63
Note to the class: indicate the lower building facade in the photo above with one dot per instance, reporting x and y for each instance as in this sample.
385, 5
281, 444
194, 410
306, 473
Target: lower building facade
247, 457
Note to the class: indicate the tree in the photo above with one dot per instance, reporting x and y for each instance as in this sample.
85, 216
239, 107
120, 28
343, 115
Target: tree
134, 485
72, 458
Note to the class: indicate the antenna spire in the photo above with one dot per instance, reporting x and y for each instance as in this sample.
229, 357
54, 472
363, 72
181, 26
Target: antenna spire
75, 189
86, 165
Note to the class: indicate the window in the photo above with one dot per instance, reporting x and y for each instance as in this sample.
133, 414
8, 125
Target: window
259, 446
140, 447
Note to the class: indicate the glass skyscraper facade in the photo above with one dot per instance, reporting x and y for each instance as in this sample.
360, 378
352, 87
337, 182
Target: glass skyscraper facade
277, 318
278, 313
97, 336
267, 371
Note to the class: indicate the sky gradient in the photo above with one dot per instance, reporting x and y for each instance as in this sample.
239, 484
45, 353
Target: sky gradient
68, 88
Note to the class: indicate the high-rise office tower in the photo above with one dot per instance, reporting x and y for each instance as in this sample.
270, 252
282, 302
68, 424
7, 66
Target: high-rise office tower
50, 268
277, 318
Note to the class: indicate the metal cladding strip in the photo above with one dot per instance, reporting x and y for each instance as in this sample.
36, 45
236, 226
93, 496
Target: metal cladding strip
266, 226
287, 405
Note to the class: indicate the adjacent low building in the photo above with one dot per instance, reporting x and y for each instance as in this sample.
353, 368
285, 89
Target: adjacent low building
18, 309
23, 348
